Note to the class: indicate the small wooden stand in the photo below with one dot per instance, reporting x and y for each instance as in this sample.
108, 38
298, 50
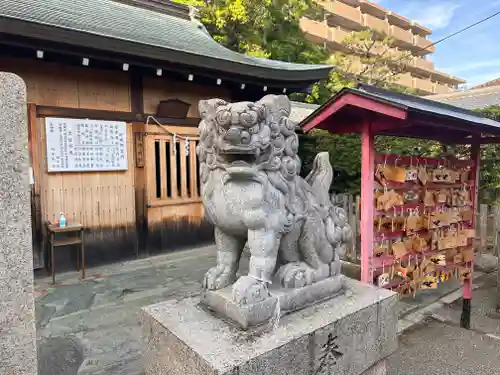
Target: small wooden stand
53, 230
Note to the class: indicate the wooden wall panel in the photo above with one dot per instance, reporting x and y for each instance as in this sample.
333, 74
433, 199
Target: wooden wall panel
106, 90
193, 212
106, 202
59, 85
178, 225
156, 89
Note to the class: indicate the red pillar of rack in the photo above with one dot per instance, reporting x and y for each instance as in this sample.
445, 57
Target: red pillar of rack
467, 287
367, 187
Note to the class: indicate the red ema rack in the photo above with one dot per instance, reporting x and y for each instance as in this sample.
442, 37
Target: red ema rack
378, 264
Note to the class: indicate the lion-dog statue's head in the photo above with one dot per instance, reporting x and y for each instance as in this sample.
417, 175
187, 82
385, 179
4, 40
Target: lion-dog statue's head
245, 138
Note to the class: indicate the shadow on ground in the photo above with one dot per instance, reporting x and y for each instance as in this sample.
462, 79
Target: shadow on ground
59, 356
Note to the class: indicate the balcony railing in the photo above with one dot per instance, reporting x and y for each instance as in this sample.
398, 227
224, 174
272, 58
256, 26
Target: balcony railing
374, 23
401, 35
353, 3
337, 35
420, 30
442, 89
343, 14
317, 31
397, 54
373, 9
397, 19
423, 84
424, 44
405, 79
422, 64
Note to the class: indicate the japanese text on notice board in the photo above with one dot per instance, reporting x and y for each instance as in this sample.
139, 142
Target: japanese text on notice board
85, 145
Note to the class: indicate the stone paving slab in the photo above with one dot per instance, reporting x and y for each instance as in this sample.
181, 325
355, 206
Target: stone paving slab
98, 318
408, 305
436, 348
485, 319
100, 315
59, 356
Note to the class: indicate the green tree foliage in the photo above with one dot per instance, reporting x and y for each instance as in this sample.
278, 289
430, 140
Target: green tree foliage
364, 57
489, 172
271, 29
262, 28
367, 58
345, 151
492, 112
489, 176
345, 154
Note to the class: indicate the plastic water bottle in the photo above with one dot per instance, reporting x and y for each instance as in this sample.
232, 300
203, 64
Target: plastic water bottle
62, 220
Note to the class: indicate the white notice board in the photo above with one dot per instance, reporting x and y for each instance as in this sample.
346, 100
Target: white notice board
85, 145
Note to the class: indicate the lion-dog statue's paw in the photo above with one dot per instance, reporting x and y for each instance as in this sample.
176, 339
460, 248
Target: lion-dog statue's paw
295, 275
248, 291
219, 277
299, 274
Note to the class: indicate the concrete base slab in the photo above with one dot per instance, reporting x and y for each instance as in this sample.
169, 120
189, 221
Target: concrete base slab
349, 335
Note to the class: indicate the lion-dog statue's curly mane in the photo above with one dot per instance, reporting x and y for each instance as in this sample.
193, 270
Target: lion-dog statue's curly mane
253, 195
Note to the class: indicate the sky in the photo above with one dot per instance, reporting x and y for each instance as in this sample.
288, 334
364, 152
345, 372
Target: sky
473, 55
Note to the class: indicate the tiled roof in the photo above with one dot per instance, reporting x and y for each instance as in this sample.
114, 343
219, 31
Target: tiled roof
417, 103
301, 110
160, 32
476, 98
495, 82
413, 105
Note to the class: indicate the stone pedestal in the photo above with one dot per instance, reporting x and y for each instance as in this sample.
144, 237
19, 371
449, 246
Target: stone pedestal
350, 334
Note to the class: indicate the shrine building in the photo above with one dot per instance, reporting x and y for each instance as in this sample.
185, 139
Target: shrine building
95, 70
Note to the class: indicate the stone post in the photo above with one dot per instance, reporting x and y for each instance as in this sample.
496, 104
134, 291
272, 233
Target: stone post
18, 354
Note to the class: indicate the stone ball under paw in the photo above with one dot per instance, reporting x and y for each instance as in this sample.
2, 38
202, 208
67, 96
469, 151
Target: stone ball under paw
340, 250
247, 291
346, 234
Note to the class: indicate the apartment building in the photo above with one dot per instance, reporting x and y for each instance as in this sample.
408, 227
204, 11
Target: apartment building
345, 16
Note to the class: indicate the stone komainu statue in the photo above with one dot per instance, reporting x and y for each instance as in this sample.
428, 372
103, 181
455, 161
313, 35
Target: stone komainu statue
254, 196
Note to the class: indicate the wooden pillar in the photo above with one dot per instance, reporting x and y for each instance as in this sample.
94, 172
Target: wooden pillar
136, 92
139, 131
367, 187
140, 185
467, 288
34, 162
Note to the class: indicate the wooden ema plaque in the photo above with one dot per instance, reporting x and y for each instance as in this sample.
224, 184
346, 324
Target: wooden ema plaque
423, 224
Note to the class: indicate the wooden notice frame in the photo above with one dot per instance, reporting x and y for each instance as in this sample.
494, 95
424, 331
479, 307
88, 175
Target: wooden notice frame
76, 145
